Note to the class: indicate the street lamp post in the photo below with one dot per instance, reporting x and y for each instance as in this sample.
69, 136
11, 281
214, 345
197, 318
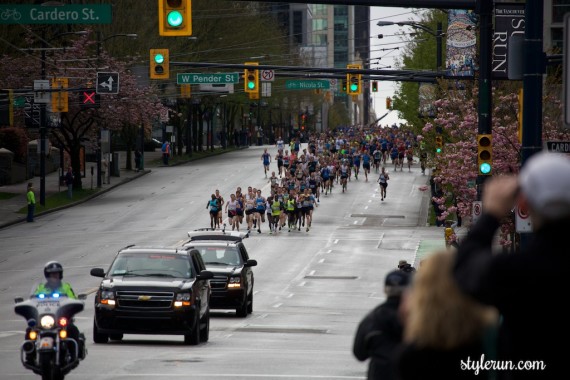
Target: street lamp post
100, 41
438, 34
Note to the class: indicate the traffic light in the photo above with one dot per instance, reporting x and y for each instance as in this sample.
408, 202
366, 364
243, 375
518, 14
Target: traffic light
354, 80
175, 18
59, 99
344, 87
438, 144
251, 78
159, 64
485, 154
374, 86
388, 103
303, 121
6, 108
90, 99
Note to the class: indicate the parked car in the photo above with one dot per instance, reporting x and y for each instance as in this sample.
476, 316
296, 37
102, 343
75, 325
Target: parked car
226, 256
153, 290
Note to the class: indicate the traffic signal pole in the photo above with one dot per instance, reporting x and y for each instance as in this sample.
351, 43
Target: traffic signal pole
43, 130
484, 9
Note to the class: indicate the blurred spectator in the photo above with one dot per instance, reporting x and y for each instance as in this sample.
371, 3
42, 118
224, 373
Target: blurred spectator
527, 287
404, 266
442, 327
380, 331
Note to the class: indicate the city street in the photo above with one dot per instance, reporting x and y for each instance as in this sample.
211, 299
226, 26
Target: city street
311, 288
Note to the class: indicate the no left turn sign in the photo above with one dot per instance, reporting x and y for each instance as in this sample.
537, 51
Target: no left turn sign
267, 75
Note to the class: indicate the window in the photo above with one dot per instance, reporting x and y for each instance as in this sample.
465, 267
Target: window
559, 8
220, 255
151, 264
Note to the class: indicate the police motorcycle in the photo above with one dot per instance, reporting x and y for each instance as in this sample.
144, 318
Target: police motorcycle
48, 349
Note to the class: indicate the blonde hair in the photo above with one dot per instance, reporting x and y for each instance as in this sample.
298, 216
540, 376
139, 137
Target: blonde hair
439, 315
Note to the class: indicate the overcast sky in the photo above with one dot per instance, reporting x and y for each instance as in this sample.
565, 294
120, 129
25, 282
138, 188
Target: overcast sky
380, 59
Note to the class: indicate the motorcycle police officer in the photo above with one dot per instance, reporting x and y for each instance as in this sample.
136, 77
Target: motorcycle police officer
53, 272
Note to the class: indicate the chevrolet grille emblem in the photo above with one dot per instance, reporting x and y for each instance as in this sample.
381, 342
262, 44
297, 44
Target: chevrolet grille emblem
144, 298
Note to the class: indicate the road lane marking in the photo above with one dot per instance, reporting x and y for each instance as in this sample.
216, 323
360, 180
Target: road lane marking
303, 283
336, 241
311, 273
321, 261
290, 295
277, 305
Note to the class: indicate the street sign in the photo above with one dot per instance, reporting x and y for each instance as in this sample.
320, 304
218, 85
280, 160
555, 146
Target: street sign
32, 118
227, 88
40, 94
522, 220
558, 146
307, 85
60, 14
107, 83
266, 89
267, 75
477, 211
200, 78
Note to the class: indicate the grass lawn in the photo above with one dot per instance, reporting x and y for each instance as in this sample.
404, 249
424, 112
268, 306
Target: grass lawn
195, 156
60, 199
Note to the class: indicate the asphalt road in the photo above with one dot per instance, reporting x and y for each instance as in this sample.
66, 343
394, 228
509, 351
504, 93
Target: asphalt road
311, 289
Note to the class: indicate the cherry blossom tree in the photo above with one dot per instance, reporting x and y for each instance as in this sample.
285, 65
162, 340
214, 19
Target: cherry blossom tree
133, 107
456, 167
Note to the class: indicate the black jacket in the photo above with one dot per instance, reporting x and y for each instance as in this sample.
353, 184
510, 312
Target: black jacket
528, 289
377, 337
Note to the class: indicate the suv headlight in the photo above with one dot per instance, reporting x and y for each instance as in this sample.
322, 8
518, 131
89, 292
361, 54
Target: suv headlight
182, 299
47, 321
235, 283
107, 297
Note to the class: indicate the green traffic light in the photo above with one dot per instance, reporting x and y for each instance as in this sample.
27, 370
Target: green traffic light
251, 85
158, 58
438, 150
485, 168
174, 19
353, 87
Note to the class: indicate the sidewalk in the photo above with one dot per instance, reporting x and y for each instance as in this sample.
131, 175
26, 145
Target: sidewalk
9, 207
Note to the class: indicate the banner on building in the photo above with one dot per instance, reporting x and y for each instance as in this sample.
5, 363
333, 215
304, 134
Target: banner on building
509, 21
461, 43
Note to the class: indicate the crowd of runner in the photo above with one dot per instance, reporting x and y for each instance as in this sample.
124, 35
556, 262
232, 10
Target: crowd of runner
304, 174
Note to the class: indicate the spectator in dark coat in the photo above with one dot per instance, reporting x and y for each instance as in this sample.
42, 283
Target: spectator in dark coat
380, 331
528, 288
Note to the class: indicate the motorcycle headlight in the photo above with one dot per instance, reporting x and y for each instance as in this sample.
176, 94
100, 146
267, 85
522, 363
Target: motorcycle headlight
235, 283
47, 322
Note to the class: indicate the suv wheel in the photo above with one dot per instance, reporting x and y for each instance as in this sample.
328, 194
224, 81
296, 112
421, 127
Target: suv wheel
97, 336
241, 311
205, 332
193, 338
250, 303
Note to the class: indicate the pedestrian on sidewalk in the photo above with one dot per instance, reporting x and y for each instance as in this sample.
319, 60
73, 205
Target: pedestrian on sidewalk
31, 202
138, 158
165, 152
69, 182
526, 287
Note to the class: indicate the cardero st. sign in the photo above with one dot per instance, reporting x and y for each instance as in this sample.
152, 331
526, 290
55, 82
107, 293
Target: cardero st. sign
61, 14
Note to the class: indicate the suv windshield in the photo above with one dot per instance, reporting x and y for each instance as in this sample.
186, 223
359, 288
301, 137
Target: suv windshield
151, 264
220, 255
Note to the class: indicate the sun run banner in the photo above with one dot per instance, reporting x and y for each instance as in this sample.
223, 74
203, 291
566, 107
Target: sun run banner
509, 21
461, 43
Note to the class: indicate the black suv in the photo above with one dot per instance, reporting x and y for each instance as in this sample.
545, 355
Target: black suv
153, 291
226, 257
